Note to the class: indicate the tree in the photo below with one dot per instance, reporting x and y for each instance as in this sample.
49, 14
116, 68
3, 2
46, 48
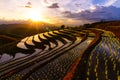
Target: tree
62, 26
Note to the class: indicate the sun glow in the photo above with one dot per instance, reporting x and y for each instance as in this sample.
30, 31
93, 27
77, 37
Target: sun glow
35, 16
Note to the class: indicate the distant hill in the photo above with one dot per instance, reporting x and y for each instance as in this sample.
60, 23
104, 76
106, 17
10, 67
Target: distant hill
23, 30
113, 26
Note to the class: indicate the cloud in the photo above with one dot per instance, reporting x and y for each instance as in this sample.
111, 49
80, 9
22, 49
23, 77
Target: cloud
109, 2
45, 1
117, 3
72, 5
80, 10
54, 5
3, 21
66, 12
100, 13
103, 2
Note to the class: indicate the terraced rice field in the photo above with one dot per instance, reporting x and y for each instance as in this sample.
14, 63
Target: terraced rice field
64, 54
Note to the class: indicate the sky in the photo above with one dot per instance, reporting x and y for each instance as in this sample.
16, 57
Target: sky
68, 12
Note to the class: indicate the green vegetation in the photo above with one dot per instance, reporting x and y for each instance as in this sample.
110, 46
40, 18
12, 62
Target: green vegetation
9, 33
19, 31
67, 46
6, 39
113, 26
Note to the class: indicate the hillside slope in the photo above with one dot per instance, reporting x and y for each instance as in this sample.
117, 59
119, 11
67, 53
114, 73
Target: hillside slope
113, 26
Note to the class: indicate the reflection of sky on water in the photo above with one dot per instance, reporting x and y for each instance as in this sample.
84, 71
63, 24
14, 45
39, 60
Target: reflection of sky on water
18, 55
56, 31
51, 32
52, 45
41, 36
78, 39
104, 49
29, 41
46, 33
108, 48
23, 40
36, 38
21, 45
101, 49
6, 57
89, 40
66, 40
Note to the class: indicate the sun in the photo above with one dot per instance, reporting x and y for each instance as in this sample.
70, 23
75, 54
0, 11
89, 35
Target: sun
35, 16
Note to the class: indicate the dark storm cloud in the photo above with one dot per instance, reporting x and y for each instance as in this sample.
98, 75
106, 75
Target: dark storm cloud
67, 12
54, 5
100, 13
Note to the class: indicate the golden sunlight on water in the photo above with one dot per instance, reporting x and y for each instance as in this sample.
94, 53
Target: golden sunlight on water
118, 77
29, 40
36, 38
